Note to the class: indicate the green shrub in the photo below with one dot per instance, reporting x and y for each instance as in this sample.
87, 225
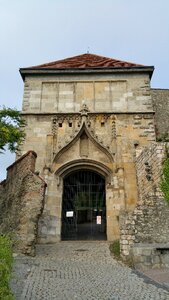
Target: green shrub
6, 260
115, 248
164, 184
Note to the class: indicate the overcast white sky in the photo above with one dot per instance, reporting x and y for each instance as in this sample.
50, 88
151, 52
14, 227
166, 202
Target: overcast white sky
38, 31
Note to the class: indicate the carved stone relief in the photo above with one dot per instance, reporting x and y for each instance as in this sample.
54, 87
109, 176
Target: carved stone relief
84, 145
113, 127
54, 125
74, 123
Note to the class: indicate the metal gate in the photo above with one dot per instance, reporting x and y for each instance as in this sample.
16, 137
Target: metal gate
83, 206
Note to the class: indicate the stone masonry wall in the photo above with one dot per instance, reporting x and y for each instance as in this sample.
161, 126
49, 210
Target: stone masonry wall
100, 92
149, 222
21, 202
160, 99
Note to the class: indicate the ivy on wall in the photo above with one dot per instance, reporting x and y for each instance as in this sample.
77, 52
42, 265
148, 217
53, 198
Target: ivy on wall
164, 184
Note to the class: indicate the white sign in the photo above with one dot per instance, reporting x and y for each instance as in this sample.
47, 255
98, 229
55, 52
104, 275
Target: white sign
69, 214
99, 220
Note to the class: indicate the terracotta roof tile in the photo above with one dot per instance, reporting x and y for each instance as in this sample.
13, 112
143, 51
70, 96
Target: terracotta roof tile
85, 61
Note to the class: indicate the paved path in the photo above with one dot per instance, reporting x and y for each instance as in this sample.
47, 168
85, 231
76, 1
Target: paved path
81, 271
159, 275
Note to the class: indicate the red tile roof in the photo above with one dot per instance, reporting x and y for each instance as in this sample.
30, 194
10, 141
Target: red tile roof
86, 61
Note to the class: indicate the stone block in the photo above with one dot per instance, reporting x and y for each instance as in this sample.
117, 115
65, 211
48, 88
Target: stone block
156, 260
124, 242
165, 258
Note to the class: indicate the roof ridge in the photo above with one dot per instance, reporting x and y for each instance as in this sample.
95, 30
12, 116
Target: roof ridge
87, 60
70, 58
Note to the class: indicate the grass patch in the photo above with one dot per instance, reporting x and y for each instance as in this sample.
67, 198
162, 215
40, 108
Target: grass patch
6, 261
115, 248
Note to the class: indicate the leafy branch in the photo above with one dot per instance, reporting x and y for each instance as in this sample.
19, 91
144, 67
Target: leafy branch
11, 129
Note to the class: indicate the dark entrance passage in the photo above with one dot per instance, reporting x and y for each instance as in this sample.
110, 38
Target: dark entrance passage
83, 208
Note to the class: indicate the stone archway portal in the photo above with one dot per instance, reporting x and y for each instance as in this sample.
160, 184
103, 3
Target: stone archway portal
83, 206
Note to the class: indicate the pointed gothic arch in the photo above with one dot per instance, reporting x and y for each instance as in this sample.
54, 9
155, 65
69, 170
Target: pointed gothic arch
84, 130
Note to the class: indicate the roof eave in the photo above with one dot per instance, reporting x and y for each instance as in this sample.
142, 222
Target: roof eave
39, 71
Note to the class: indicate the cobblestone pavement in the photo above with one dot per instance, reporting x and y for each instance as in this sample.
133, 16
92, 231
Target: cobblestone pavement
80, 270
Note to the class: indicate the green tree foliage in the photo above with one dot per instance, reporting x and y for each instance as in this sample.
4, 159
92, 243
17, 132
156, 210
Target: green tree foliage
6, 260
165, 180
11, 129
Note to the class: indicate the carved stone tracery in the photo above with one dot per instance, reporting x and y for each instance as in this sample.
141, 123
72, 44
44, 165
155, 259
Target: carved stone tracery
113, 128
55, 125
75, 122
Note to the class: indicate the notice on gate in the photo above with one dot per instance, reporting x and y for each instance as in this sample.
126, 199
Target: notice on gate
69, 214
98, 220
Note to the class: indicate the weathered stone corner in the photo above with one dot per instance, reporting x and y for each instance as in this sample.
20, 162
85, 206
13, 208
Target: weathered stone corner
21, 203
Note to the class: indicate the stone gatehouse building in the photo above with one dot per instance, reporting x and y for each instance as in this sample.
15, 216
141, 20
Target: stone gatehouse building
87, 116
89, 119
